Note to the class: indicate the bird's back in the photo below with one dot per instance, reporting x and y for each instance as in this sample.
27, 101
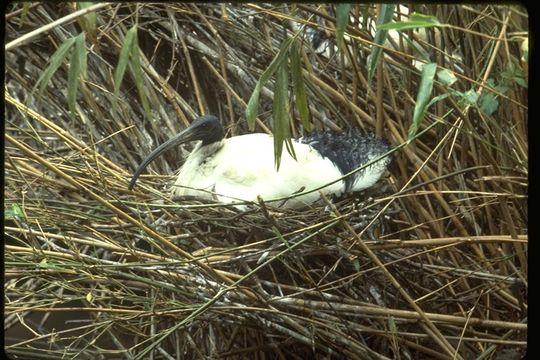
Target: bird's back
349, 151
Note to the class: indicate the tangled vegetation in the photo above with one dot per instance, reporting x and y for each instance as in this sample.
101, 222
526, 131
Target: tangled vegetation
431, 263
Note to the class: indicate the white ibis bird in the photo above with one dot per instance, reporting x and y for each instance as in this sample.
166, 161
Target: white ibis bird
241, 168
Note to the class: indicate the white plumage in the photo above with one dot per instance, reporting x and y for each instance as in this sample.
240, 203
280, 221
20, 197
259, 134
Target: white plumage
242, 168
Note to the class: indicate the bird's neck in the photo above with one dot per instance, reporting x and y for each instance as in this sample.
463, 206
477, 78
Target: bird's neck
207, 150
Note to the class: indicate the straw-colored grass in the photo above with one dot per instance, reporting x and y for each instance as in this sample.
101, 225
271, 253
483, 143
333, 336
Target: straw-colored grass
431, 263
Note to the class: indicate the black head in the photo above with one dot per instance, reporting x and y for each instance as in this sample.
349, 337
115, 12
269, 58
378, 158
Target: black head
206, 128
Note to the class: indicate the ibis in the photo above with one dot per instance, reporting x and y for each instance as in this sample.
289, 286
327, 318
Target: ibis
242, 168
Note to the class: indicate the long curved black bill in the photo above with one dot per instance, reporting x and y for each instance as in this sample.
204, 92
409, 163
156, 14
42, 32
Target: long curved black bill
185, 136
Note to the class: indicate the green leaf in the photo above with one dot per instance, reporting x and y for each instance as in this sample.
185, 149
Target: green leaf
253, 103
123, 61
510, 71
490, 82
89, 297
15, 212
298, 85
387, 11
43, 264
502, 88
356, 264
521, 82
342, 19
138, 75
54, 63
514, 73
280, 113
415, 21
392, 325
446, 77
422, 99
24, 14
439, 98
77, 69
488, 103
88, 21
429, 19
80, 50
470, 97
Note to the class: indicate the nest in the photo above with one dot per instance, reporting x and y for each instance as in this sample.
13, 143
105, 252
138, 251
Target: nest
430, 263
